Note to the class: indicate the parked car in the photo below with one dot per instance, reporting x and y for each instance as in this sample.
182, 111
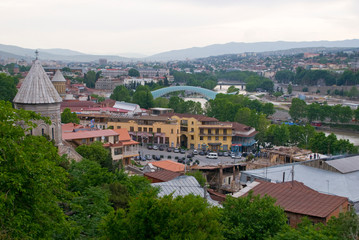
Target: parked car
225, 154
169, 149
212, 155
201, 153
154, 157
195, 152
176, 150
220, 154
148, 157
155, 147
161, 148
182, 151
233, 155
149, 147
158, 157
190, 155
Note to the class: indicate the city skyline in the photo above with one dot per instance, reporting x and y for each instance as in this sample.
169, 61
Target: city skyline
154, 26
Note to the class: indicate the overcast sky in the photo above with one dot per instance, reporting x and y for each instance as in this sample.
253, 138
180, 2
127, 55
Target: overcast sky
153, 26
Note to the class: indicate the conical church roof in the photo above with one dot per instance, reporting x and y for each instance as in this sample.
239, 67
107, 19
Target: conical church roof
37, 88
58, 77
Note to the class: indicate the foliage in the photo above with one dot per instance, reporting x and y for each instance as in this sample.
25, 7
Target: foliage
232, 89
297, 109
278, 135
149, 217
161, 102
203, 79
90, 79
98, 98
133, 72
7, 87
96, 152
252, 217
143, 97
69, 117
330, 144
284, 76
121, 93
181, 106
199, 177
32, 184
290, 89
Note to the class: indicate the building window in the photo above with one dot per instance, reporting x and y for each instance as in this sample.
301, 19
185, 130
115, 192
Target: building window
30, 131
209, 138
118, 127
106, 139
224, 131
192, 137
224, 138
217, 138
171, 131
132, 129
91, 139
83, 141
177, 131
217, 131
201, 131
145, 129
42, 132
118, 151
150, 129
115, 139
200, 138
192, 122
140, 129
192, 129
53, 134
209, 131
98, 139
158, 130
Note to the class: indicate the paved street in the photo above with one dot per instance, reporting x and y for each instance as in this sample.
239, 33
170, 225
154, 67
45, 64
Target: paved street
203, 161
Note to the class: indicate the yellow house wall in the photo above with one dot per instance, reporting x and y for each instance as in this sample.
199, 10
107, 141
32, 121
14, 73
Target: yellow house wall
170, 130
195, 132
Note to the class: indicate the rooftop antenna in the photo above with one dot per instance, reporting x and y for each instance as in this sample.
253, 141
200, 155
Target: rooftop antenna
37, 54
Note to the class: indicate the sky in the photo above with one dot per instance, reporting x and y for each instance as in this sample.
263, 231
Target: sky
154, 26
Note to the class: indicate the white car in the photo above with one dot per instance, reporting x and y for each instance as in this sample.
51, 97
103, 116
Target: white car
212, 155
176, 150
195, 152
155, 147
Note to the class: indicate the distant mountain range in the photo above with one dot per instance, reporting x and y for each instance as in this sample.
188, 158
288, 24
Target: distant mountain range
9, 51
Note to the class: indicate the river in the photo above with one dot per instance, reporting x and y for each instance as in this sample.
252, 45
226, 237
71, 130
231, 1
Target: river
351, 136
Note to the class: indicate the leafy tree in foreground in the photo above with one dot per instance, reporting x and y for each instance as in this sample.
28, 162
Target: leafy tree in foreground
96, 152
149, 217
31, 183
68, 117
7, 87
252, 217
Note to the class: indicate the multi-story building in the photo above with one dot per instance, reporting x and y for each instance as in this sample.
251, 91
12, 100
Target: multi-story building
202, 132
151, 73
150, 129
243, 137
108, 83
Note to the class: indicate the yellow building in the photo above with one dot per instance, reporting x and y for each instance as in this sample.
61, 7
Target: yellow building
202, 132
150, 129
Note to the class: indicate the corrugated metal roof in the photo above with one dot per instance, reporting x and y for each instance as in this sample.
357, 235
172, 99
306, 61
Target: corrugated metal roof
345, 185
297, 198
182, 186
345, 165
58, 77
37, 88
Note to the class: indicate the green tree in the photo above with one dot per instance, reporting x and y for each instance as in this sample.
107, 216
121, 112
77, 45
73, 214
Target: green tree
297, 109
32, 185
121, 93
143, 97
313, 112
199, 177
7, 87
353, 92
252, 217
243, 116
133, 72
96, 152
268, 109
161, 102
90, 79
278, 135
68, 117
149, 217
290, 89
232, 89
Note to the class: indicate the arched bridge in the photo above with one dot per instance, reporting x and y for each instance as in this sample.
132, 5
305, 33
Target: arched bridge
203, 91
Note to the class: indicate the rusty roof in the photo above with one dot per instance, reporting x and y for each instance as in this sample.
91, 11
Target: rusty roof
169, 165
298, 198
162, 175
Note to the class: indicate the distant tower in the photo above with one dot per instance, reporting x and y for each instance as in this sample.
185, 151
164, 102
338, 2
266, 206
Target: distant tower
59, 83
39, 95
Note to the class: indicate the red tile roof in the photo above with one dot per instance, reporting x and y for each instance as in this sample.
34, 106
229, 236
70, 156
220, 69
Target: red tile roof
169, 165
162, 175
299, 198
88, 134
69, 127
124, 136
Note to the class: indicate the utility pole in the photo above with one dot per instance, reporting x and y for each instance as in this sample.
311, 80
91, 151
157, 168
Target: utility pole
292, 174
